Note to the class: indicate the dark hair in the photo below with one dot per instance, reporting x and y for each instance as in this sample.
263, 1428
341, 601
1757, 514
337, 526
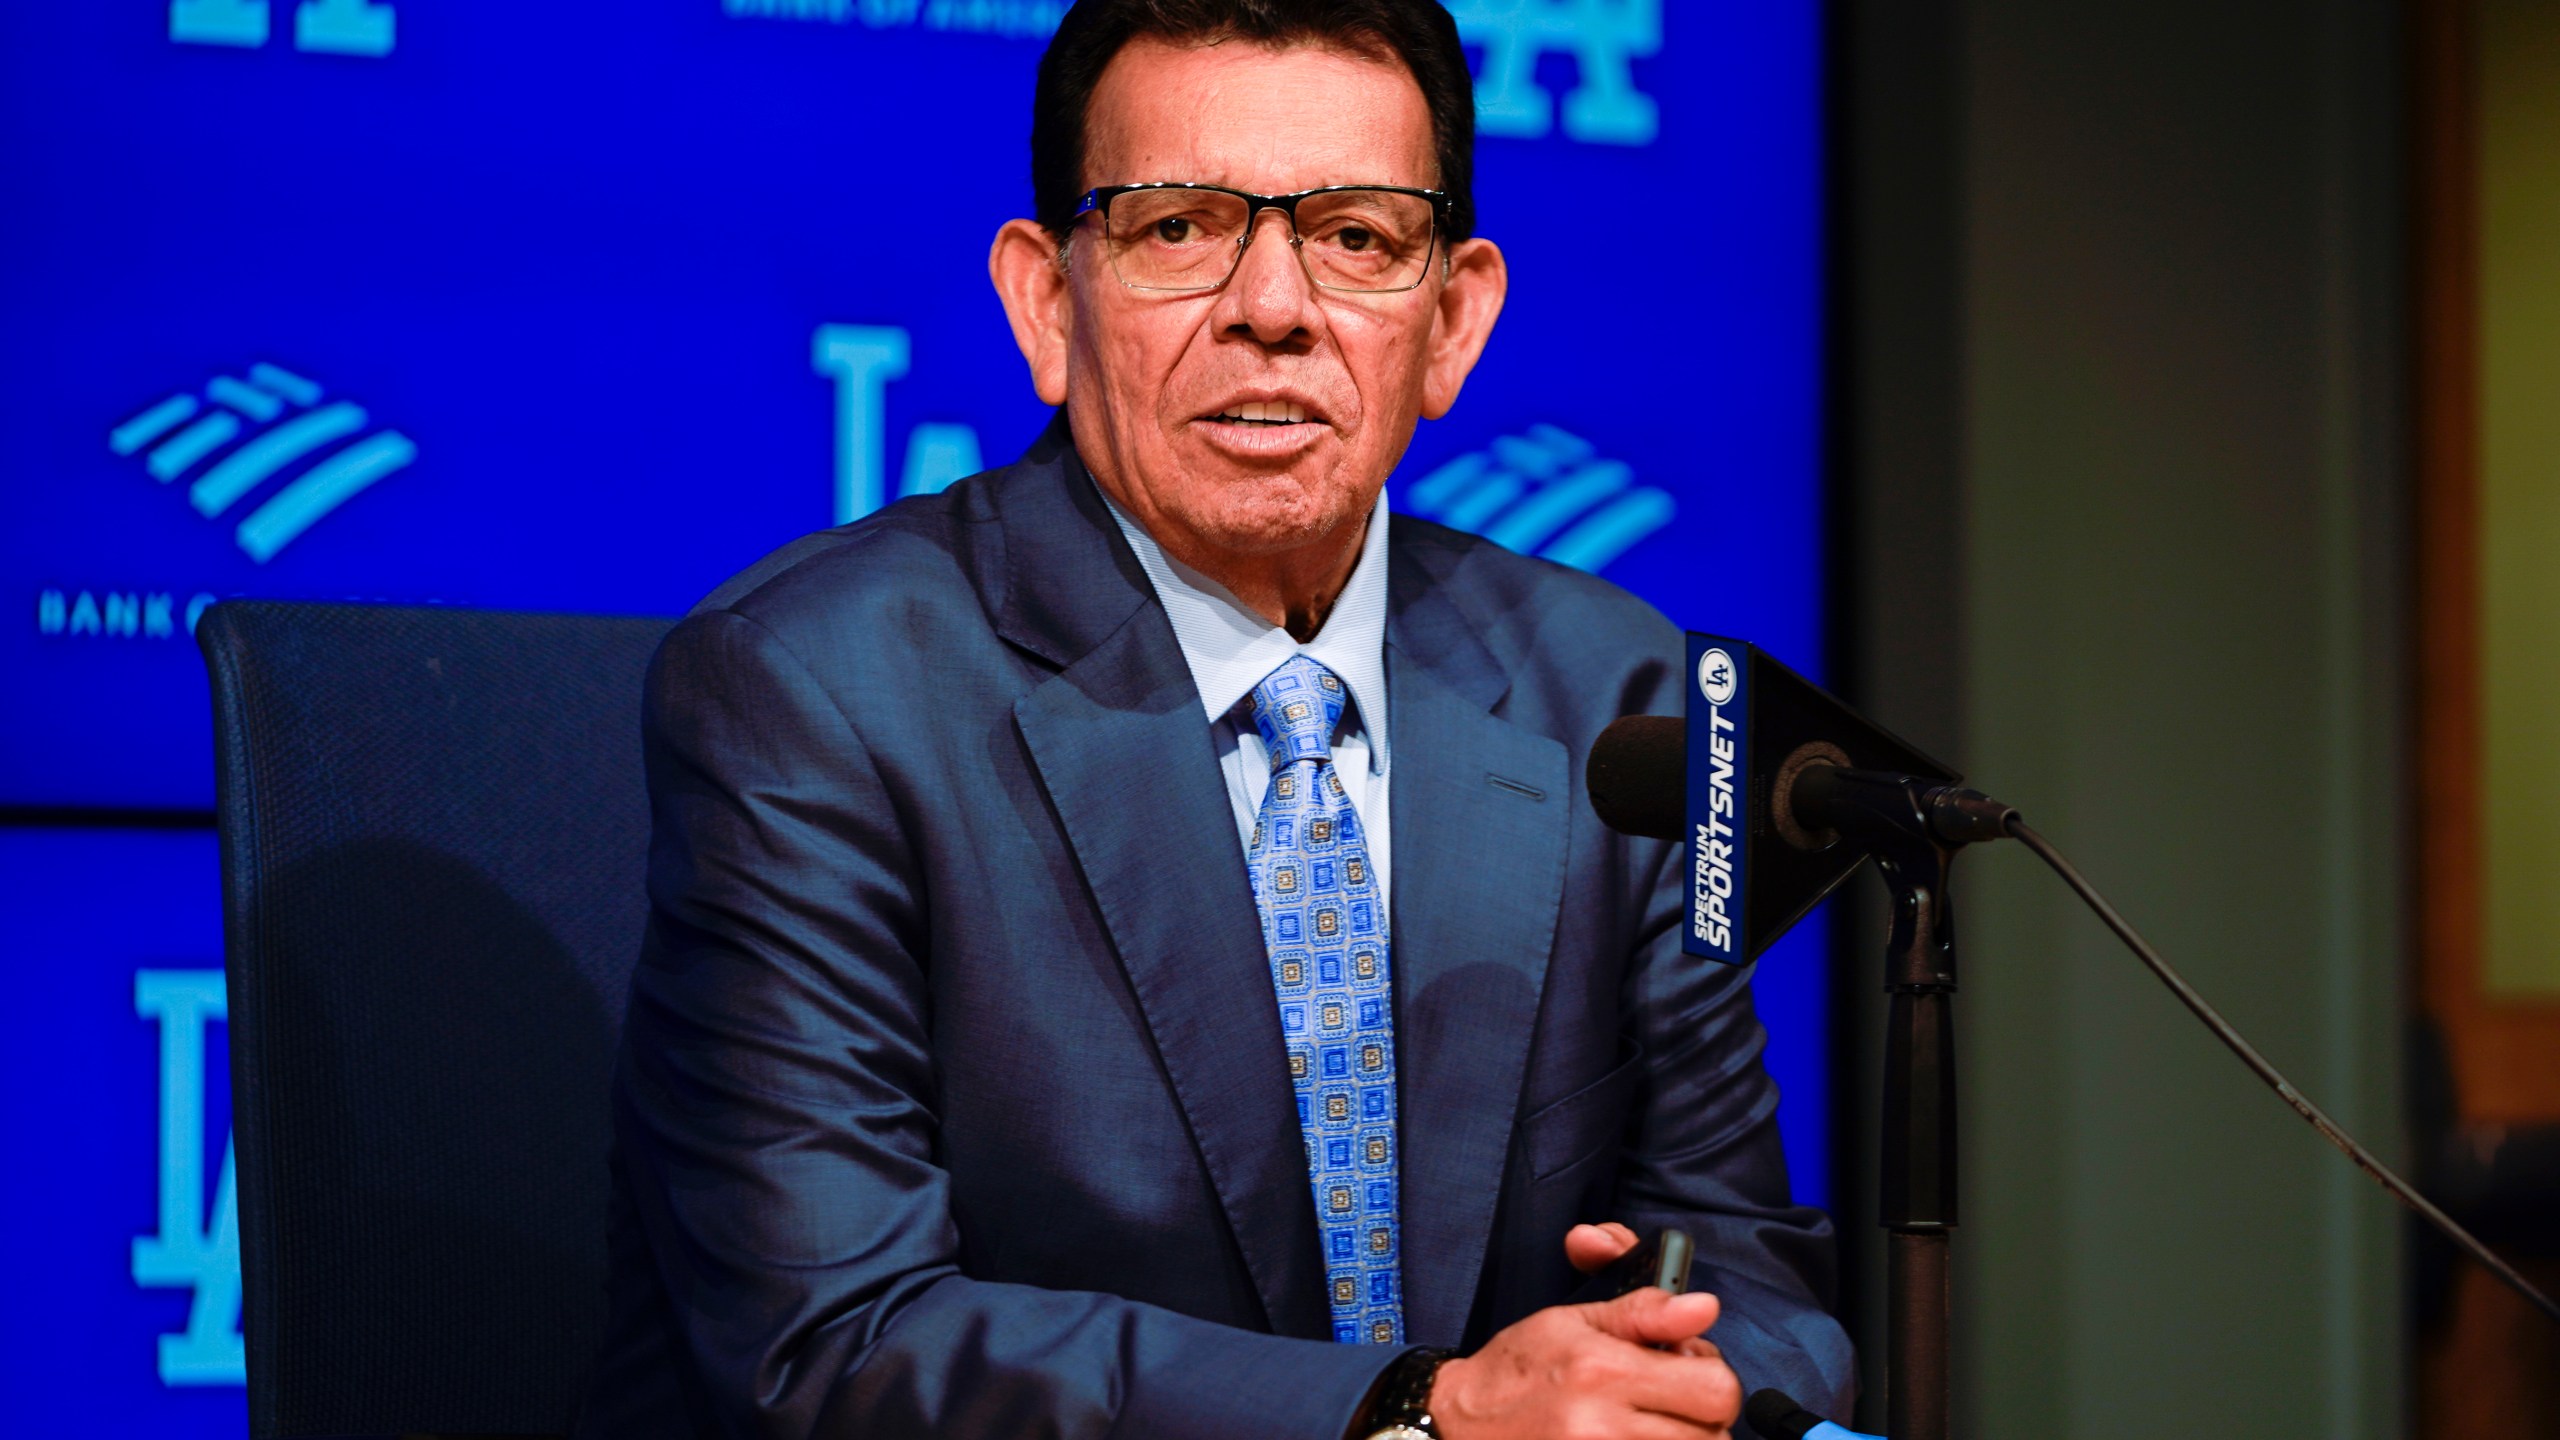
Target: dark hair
1417, 32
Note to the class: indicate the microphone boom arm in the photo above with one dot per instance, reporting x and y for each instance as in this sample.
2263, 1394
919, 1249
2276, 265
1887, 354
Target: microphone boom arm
1910, 828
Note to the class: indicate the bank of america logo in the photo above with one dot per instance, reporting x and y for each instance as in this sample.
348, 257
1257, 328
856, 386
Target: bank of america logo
1602, 37
1546, 493
1021, 19
235, 436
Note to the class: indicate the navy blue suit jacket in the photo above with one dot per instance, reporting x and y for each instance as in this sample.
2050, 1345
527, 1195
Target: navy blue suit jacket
952, 1099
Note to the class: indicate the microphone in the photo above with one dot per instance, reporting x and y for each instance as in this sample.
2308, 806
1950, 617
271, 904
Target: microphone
1780, 792
1777, 1416
1764, 781
1638, 777
1777, 792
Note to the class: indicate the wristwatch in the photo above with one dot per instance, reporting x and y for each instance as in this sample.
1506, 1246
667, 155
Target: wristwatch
1402, 1410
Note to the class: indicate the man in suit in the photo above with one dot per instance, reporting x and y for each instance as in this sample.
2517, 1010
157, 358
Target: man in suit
1130, 953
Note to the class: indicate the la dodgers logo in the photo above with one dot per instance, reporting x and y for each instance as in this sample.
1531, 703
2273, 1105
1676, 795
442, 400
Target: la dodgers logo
1602, 36
197, 1245
1717, 677
862, 360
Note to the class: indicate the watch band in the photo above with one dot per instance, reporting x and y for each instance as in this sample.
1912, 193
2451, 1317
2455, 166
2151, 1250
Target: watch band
1402, 1410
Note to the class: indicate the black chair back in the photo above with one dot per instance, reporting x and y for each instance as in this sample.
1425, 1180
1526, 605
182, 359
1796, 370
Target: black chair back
433, 838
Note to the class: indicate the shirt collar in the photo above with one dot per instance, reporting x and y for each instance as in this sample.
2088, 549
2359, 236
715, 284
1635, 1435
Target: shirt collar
1230, 648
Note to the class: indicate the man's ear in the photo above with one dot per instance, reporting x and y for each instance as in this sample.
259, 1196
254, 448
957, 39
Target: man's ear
1470, 298
1030, 276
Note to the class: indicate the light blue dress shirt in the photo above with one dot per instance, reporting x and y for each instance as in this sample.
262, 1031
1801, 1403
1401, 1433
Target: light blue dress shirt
1230, 648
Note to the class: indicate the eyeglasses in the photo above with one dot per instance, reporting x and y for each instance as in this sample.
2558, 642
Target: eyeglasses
1174, 235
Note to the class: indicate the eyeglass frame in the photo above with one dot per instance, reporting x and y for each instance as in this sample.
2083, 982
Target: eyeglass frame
1097, 201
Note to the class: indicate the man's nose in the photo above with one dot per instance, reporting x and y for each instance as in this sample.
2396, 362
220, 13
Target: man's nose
1269, 295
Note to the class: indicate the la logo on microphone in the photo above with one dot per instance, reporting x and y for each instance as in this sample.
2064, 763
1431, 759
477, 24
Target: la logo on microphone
1717, 677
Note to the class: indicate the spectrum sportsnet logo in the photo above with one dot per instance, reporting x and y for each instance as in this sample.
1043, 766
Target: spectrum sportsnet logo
183, 432
1546, 493
331, 27
1718, 757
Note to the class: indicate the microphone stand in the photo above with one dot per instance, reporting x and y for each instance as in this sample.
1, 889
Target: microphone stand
1912, 830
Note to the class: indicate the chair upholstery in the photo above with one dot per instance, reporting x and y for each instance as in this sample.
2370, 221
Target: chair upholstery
433, 839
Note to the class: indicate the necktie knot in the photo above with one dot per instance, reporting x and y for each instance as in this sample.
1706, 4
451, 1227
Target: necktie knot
1297, 707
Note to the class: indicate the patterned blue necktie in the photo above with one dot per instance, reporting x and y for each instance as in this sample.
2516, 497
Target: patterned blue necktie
1326, 929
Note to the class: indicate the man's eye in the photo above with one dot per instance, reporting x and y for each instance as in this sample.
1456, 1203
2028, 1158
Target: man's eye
1174, 230
1354, 237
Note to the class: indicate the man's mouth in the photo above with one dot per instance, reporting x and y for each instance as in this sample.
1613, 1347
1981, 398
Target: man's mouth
1264, 412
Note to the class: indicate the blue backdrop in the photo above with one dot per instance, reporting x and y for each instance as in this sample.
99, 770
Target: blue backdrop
584, 306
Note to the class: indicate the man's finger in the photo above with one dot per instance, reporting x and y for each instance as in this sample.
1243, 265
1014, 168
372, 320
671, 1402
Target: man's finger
1648, 1316
1694, 1391
1593, 1247
1649, 1425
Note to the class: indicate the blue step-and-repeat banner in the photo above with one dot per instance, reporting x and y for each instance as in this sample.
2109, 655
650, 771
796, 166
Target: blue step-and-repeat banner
586, 305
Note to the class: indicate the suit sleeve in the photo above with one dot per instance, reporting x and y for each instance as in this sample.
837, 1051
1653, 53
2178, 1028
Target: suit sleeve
1703, 1155
775, 1114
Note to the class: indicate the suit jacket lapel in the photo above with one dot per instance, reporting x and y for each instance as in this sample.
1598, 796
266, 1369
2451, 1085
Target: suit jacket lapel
1481, 827
1123, 750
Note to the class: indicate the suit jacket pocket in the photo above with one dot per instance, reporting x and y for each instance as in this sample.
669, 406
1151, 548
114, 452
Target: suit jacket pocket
1564, 1133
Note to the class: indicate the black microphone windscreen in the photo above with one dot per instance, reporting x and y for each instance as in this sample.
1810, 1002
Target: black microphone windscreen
1777, 1416
1639, 776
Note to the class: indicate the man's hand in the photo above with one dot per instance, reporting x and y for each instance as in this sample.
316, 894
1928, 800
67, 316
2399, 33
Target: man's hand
1586, 1372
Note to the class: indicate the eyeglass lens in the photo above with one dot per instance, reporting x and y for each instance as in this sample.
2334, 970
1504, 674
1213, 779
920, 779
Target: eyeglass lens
1183, 239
